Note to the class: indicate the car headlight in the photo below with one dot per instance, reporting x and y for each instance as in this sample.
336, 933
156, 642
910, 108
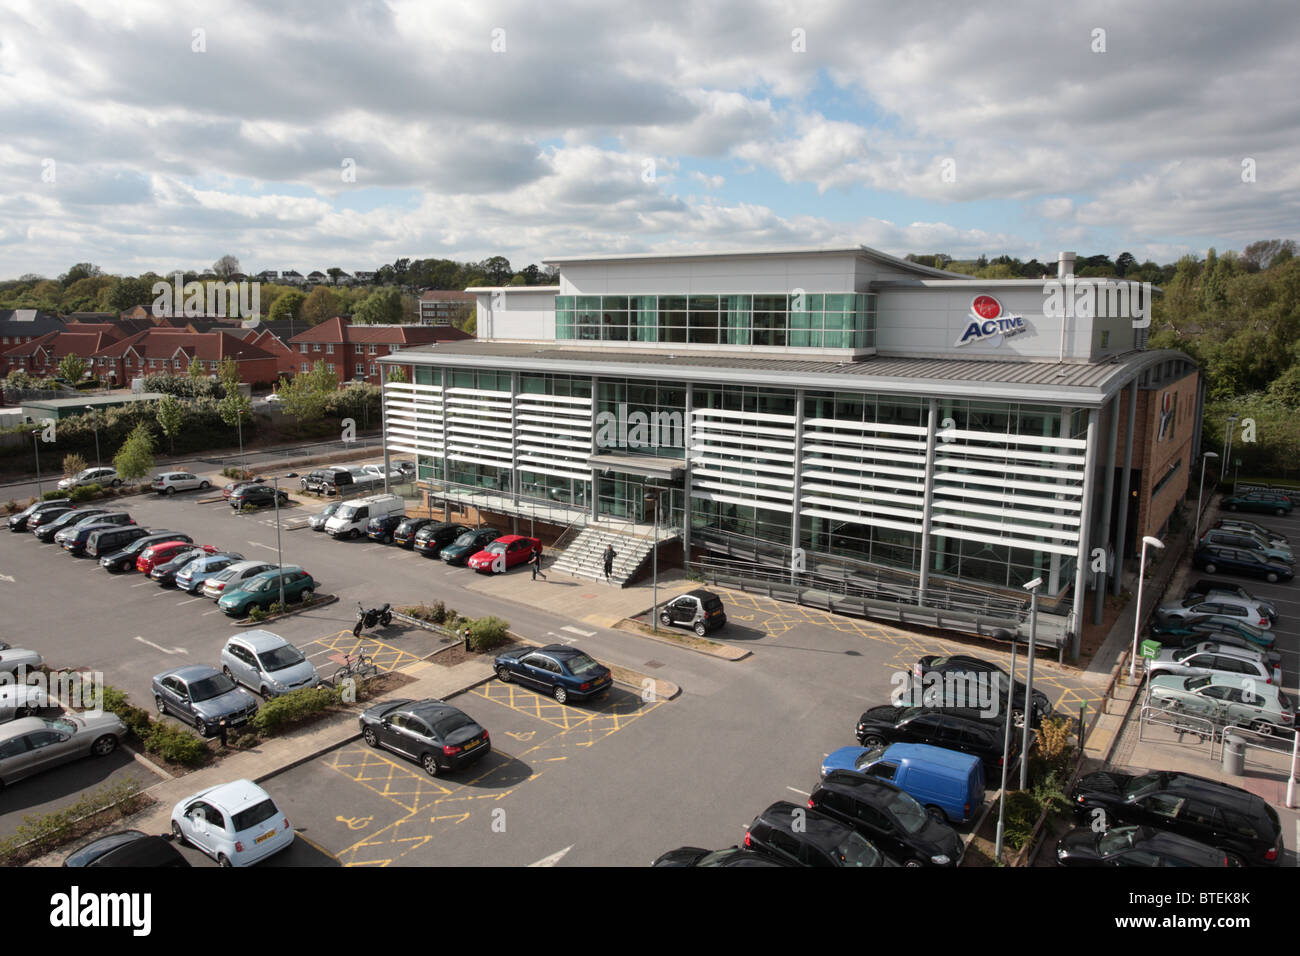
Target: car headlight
1060, 852
940, 860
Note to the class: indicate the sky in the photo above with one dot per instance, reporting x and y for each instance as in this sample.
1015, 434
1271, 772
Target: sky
304, 135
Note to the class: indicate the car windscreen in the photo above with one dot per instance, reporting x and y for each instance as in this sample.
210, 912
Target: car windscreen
211, 687
467, 539
495, 548
581, 664
856, 851
1116, 839
452, 722
259, 813
907, 812
347, 512
281, 657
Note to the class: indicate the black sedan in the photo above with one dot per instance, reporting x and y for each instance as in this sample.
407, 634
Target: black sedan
127, 848
258, 495
39, 518
19, 521
48, 529
731, 856
165, 573
565, 673
404, 533
433, 733
1136, 846
468, 544
975, 674
124, 560
885, 725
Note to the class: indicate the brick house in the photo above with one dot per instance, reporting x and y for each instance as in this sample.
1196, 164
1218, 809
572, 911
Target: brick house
41, 356
171, 351
353, 351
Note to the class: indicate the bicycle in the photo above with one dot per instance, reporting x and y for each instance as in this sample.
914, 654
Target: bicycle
361, 667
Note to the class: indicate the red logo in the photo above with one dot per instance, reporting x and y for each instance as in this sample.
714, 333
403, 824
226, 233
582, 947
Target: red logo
986, 307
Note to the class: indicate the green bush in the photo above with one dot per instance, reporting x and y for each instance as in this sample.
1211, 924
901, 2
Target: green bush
12, 507
292, 708
176, 744
39, 834
85, 493
255, 613
1023, 811
486, 633
136, 718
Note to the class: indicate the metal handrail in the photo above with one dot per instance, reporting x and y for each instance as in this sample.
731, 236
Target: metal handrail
1181, 723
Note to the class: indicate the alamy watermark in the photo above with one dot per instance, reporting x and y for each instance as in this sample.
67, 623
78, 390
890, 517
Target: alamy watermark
73, 691
640, 429
1068, 297
195, 300
974, 690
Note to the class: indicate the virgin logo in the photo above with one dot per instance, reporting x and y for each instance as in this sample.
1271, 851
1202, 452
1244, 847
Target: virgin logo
986, 307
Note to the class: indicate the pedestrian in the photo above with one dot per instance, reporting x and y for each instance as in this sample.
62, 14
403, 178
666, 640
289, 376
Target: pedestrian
610, 555
222, 728
535, 562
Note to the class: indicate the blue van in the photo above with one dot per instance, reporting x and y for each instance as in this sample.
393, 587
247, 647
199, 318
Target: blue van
939, 779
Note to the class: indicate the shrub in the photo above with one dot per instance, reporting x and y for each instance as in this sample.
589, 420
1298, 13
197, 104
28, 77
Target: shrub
292, 708
73, 464
12, 507
1055, 748
1022, 813
438, 612
85, 493
136, 718
486, 633
175, 744
255, 613
38, 834
275, 608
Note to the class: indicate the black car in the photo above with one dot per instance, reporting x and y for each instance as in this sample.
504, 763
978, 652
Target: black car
74, 542
699, 610
731, 856
1215, 559
127, 848
804, 837
1135, 846
404, 533
259, 495
39, 518
107, 540
381, 529
960, 670
165, 573
19, 521
124, 560
468, 544
431, 732
890, 819
432, 538
562, 671
983, 738
48, 529
1218, 814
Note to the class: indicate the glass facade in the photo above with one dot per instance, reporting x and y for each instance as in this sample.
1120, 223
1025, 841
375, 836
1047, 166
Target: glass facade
641, 417
833, 320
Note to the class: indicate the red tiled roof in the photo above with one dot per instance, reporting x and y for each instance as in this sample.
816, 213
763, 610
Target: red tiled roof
336, 331
205, 346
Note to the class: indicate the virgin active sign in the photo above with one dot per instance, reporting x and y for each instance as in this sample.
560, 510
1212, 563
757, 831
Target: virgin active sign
988, 322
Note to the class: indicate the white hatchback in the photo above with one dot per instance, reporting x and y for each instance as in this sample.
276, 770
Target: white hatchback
237, 824
170, 482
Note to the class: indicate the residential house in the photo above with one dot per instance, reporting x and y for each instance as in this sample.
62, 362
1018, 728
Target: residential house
352, 351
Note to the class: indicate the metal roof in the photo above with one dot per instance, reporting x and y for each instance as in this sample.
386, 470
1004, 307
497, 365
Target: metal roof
858, 250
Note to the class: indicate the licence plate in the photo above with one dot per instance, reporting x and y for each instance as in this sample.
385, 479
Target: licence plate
472, 744
265, 836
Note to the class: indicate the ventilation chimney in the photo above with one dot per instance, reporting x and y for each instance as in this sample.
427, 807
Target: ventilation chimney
1065, 264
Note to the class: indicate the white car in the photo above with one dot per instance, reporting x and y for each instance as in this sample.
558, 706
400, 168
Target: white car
237, 824
233, 577
1210, 657
394, 473
91, 476
13, 658
170, 482
21, 700
272, 399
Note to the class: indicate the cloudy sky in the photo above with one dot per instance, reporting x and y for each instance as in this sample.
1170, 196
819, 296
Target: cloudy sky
158, 135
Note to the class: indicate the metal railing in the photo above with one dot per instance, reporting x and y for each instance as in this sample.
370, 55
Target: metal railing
1181, 723
1269, 743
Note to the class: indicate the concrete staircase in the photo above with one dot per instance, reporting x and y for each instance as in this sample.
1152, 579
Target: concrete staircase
584, 557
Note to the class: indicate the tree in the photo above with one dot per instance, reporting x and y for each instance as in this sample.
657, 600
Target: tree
135, 458
171, 418
73, 464
226, 266
497, 269
82, 270
465, 317
1261, 255
396, 374
400, 269
72, 367
195, 376
379, 308
306, 396
322, 304
288, 306
127, 293
334, 272
1123, 263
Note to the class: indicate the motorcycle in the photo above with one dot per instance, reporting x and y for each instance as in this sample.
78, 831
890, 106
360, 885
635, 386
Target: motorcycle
369, 617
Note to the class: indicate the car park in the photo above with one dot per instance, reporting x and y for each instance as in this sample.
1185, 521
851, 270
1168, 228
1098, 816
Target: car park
232, 577
317, 521
267, 664
1213, 559
1262, 502
892, 820
561, 670
170, 482
700, 610
163, 551
1210, 657
351, 519
884, 725
19, 521
433, 733
203, 696
503, 554
1229, 818
381, 528
729, 856
260, 496
962, 667
165, 572
192, 577
75, 539
1242, 525
432, 538
1207, 589
106, 541
124, 560
236, 824
1248, 541
21, 700
31, 745
49, 528
1136, 846
468, 543
803, 837
104, 477
948, 784
1226, 699
263, 590
1225, 606
129, 848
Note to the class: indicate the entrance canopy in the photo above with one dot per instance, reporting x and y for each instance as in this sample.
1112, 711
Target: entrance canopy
643, 466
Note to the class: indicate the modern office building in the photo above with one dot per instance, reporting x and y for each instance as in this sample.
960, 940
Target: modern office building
838, 420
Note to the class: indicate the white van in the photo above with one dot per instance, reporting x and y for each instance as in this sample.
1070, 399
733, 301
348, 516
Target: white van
351, 518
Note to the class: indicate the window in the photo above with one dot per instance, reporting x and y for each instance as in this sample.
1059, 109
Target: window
361, 350
329, 350
315, 347
303, 348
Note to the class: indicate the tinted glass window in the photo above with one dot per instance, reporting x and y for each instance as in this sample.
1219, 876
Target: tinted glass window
211, 687
246, 819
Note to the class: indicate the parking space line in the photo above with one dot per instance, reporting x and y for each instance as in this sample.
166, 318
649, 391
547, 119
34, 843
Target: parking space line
190, 601
215, 611
140, 585
801, 792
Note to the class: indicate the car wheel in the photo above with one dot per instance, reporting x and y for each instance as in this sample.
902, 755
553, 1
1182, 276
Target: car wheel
700, 629
1280, 512
665, 619
1210, 568
1262, 727
937, 813
178, 834
307, 595
223, 860
504, 674
170, 490
226, 670
1271, 578
872, 741
264, 693
355, 534
430, 764
913, 863
561, 695
388, 539
203, 729
370, 737
104, 745
117, 482
1018, 717
158, 702
386, 620
203, 486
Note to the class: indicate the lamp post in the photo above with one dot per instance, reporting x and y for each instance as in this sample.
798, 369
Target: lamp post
1006, 756
1227, 446
1032, 587
654, 613
1204, 458
1137, 621
94, 423
36, 442
279, 553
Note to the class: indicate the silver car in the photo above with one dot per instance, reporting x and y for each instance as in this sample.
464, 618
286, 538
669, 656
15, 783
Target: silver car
1241, 524
192, 577
267, 664
1228, 699
1248, 541
101, 476
1210, 657
21, 700
317, 521
234, 575
33, 744
1219, 608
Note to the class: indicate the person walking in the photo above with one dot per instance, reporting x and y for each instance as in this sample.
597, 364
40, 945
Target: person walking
535, 562
610, 555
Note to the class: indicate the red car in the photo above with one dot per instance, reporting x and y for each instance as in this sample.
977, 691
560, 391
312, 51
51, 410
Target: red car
163, 552
513, 548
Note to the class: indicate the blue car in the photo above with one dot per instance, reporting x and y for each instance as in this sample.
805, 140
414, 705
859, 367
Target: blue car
565, 673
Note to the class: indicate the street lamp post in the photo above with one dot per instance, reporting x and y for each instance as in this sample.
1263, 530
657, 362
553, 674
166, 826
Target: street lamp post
1137, 621
94, 423
654, 614
1227, 447
1032, 587
1006, 756
36, 442
1204, 458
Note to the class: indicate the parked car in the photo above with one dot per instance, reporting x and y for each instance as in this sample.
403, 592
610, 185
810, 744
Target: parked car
130, 848
232, 577
407, 468
406, 530
1248, 541
267, 664
1241, 524
563, 671
467, 544
963, 666
16, 659
165, 572
1262, 502
433, 733
803, 837
351, 519
104, 477
339, 480
164, 551
192, 577
884, 725
889, 818
1207, 589
48, 528
19, 521
1225, 606
124, 560
1226, 699
729, 856
263, 590
259, 495
21, 700
1213, 559
237, 824
230, 489
381, 528
170, 482
432, 538
317, 521
75, 539
31, 745
1210, 657
700, 610
1136, 846
1252, 635
503, 554
203, 696
1218, 814
1180, 635
394, 474
948, 784
49, 514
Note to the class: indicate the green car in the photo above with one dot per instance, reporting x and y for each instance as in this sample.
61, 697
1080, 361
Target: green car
1265, 502
263, 590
